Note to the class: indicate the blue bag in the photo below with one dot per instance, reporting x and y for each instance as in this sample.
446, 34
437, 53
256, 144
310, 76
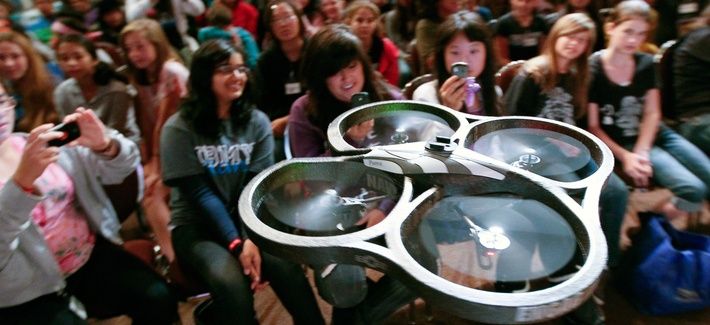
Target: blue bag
667, 271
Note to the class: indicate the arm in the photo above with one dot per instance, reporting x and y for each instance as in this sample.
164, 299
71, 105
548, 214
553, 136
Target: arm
649, 122
635, 166
136, 9
250, 47
192, 7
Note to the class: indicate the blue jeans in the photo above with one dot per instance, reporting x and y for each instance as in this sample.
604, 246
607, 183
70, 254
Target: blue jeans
682, 168
697, 131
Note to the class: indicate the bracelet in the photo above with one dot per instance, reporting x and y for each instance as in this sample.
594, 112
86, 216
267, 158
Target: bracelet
28, 190
106, 149
234, 244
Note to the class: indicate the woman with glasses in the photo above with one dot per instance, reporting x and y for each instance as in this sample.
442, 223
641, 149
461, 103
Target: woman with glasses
278, 76
215, 144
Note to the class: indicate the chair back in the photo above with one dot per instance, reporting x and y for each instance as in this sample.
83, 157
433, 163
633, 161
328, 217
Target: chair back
505, 75
408, 90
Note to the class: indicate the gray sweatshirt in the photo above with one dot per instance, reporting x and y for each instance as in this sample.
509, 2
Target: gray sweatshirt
27, 267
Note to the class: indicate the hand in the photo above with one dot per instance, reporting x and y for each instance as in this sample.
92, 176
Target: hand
638, 167
453, 92
250, 258
372, 218
93, 131
152, 177
358, 132
278, 126
36, 156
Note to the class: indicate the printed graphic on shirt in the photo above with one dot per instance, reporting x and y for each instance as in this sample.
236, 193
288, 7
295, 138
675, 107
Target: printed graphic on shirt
225, 159
628, 117
528, 39
558, 106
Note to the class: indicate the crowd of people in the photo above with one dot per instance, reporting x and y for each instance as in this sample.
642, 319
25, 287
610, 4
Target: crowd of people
158, 87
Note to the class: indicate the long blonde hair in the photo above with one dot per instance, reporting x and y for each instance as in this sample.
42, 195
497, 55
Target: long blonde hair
543, 68
35, 87
150, 30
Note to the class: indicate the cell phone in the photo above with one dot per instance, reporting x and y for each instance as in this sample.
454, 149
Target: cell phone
70, 130
460, 69
359, 99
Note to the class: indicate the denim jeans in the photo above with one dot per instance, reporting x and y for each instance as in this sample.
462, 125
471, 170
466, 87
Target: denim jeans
681, 167
221, 272
697, 131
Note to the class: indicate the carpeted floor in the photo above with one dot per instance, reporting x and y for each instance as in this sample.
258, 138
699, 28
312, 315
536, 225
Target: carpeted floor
617, 308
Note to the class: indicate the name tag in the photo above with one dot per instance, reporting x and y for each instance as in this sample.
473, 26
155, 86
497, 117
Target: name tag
292, 88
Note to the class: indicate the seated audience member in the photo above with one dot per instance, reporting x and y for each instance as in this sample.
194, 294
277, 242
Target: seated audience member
463, 37
38, 20
335, 68
624, 112
155, 71
521, 32
399, 23
220, 19
431, 14
312, 18
278, 73
94, 85
363, 18
692, 86
59, 232
473, 6
588, 7
85, 9
208, 236
554, 85
244, 15
172, 16
27, 80
332, 11
112, 19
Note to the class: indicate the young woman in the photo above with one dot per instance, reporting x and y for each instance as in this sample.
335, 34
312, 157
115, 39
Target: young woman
219, 116
554, 85
27, 79
431, 14
521, 32
278, 73
161, 81
95, 85
335, 67
463, 38
624, 112
60, 235
363, 17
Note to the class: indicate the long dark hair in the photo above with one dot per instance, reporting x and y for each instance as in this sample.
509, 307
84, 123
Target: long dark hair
330, 50
103, 73
200, 109
269, 16
473, 27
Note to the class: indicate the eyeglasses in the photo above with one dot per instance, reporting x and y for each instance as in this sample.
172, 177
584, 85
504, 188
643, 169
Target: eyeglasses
283, 20
7, 101
227, 69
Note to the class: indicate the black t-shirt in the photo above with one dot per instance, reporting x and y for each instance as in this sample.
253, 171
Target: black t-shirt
621, 107
523, 42
277, 82
525, 97
691, 81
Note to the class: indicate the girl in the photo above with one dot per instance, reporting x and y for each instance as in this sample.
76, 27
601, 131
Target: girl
624, 112
335, 67
24, 73
554, 85
171, 14
61, 235
219, 116
463, 38
160, 79
363, 17
278, 73
93, 84
521, 32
